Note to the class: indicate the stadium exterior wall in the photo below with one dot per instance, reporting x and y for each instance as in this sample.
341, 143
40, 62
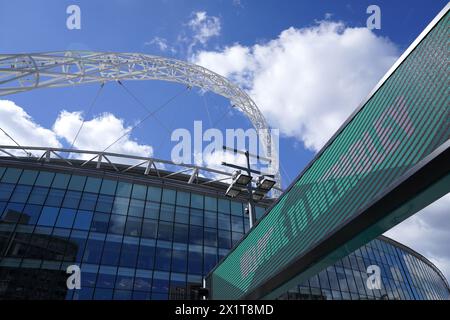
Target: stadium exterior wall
144, 237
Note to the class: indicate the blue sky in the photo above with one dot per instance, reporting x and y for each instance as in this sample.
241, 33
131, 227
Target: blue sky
244, 38
130, 26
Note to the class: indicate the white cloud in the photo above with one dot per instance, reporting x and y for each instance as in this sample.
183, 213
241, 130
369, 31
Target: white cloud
237, 3
427, 232
307, 81
204, 26
161, 44
98, 133
22, 128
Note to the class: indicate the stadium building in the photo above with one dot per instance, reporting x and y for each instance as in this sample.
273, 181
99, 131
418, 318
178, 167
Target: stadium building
154, 235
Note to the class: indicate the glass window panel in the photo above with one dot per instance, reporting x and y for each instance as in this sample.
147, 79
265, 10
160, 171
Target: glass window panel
334, 284
179, 260
224, 238
100, 222
105, 203
38, 195
45, 179
106, 277
88, 201
66, 218
2, 170
197, 201
74, 252
48, 216
136, 208
210, 260
160, 283
314, 281
224, 221
93, 251
133, 227
323, 278
164, 259
195, 235
359, 284
28, 177
224, 205
32, 212
11, 175
196, 217
177, 285
165, 231
211, 219
21, 194
167, 212
139, 191
210, 238
124, 189
195, 262
341, 278
12, 213
72, 199
154, 194
61, 181
83, 220
108, 187
121, 205
183, 198
117, 224
350, 281
210, 203
6, 190
111, 251
77, 183
182, 215
236, 208
237, 224
236, 237
2, 207
129, 253
93, 185
125, 278
143, 282
149, 228
151, 210
168, 196
55, 197
146, 254
180, 233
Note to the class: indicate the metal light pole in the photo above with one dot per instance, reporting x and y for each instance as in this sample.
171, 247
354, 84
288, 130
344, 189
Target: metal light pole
250, 205
249, 171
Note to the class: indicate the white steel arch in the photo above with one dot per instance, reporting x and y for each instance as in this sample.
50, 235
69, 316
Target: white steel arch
24, 72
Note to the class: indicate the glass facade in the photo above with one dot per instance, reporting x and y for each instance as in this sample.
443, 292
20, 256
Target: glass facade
144, 239
404, 276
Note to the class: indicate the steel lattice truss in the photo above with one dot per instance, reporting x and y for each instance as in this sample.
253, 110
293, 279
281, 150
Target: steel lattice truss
23, 72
